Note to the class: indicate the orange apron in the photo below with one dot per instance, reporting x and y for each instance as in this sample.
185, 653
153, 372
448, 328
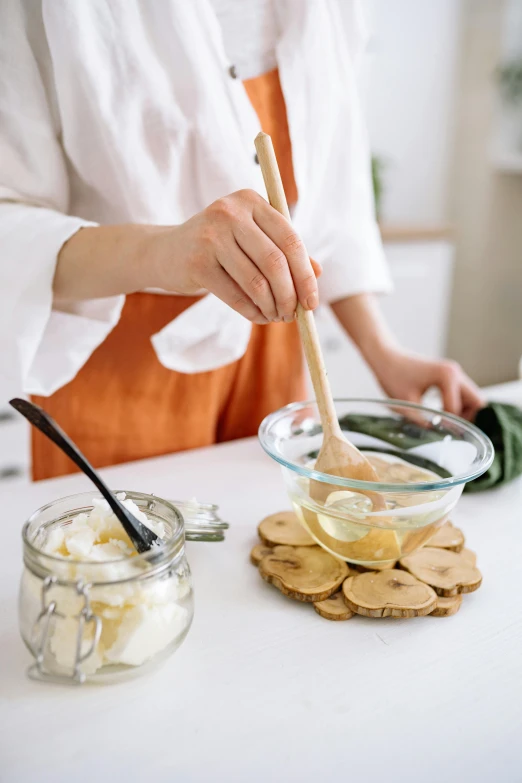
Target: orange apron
124, 405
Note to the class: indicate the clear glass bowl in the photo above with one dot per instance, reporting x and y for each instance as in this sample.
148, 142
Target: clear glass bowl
92, 621
423, 457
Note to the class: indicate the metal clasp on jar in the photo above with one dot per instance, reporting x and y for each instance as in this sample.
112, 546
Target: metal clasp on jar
41, 628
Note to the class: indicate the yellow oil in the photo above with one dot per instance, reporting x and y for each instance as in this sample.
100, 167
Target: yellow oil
345, 529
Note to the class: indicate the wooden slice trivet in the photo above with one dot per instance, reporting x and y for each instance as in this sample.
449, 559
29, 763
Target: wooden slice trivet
430, 580
333, 608
447, 572
376, 567
305, 573
285, 529
469, 556
259, 552
392, 593
447, 605
448, 537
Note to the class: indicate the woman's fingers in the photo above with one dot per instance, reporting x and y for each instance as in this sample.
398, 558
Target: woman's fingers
271, 270
316, 266
449, 384
219, 282
472, 399
280, 231
243, 251
460, 395
250, 278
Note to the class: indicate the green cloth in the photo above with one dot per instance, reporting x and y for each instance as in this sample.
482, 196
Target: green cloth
503, 425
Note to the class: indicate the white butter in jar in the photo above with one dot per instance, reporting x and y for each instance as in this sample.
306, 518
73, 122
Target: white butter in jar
113, 609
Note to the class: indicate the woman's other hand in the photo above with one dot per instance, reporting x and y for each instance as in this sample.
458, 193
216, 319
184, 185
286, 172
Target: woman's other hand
406, 376
403, 375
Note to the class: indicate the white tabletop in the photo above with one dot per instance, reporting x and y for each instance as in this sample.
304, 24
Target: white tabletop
263, 688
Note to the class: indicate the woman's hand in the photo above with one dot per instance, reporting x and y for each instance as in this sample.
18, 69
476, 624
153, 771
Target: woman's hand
405, 376
244, 252
239, 248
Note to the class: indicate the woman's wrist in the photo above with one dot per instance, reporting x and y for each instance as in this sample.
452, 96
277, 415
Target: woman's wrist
152, 256
380, 352
103, 261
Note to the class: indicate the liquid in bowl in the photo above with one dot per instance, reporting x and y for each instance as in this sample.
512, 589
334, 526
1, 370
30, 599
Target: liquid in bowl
347, 527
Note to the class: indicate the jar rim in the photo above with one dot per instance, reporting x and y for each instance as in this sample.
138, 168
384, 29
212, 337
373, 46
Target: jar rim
152, 557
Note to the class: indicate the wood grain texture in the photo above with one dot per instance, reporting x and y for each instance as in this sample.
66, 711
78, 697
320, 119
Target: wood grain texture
259, 552
333, 608
447, 572
447, 605
306, 574
448, 537
284, 528
390, 593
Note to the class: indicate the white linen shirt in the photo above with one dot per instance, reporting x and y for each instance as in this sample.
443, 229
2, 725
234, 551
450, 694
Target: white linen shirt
115, 111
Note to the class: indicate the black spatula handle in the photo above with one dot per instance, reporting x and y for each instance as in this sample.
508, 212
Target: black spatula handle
139, 534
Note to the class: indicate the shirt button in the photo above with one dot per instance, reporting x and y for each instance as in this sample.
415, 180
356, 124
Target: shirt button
256, 159
233, 71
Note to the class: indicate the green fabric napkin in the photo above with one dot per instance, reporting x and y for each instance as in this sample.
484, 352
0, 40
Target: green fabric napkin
502, 423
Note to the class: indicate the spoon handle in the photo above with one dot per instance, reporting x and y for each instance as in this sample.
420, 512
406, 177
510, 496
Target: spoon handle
140, 535
305, 318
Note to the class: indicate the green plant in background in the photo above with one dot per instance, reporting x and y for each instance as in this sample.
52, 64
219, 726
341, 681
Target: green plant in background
378, 186
510, 81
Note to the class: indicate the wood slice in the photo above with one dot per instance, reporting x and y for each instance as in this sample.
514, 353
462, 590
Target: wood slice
333, 608
375, 567
284, 529
447, 605
448, 537
392, 593
305, 573
417, 538
259, 552
469, 556
447, 572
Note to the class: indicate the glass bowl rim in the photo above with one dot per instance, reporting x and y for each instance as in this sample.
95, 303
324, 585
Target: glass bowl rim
447, 483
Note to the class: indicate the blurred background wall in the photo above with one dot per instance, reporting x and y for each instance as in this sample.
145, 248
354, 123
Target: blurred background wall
450, 155
485, 199
408, 88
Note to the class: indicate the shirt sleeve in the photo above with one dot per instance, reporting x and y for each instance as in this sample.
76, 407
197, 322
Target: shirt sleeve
43, 343
342, 232
354, 260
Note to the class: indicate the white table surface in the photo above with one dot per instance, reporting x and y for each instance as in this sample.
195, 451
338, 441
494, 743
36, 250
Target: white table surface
263, 688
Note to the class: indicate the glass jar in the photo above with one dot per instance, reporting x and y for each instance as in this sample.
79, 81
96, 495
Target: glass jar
90, 621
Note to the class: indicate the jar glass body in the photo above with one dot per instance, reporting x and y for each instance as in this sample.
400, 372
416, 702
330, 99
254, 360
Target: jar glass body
103, 621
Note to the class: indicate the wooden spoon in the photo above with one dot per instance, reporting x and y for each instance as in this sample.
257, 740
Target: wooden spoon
337, 457
141, 536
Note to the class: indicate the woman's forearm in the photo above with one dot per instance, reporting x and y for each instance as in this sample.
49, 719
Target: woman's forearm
362, 319
403, 375
239, 248
99, 261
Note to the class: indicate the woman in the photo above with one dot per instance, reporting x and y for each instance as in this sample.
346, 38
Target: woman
128, 173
